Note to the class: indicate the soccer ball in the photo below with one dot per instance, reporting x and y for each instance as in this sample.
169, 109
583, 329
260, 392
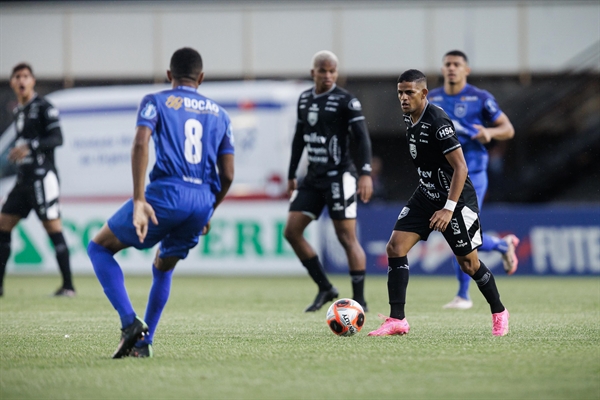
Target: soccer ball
345, 317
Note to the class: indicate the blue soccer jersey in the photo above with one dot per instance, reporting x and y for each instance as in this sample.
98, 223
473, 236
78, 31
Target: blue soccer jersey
190, 132
471, 106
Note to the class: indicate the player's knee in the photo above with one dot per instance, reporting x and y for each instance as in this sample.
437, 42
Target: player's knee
291, 235
468, 265
394, 249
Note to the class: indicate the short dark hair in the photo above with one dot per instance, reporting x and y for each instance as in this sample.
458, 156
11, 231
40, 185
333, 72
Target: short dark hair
457, 53
21, 66
186, 63
412, 75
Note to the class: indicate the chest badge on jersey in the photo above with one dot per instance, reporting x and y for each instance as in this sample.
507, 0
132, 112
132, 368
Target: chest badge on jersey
413, 150
313, 115
20, 122
460, 110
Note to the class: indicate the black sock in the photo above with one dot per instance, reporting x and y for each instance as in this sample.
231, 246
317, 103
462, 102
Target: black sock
62, 257
317, 273
398, 272
487, 286
358, 285
4, 254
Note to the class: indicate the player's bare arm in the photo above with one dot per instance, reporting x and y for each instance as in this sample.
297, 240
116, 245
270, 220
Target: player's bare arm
365, 188
291, 186
142, 211
501, 129
18, 153
226, 170
441, 218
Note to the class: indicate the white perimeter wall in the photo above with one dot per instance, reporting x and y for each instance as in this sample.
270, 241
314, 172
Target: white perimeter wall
258, 39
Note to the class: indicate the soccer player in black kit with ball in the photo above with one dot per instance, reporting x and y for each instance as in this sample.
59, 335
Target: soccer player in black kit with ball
328, 119
37, 187
445, 201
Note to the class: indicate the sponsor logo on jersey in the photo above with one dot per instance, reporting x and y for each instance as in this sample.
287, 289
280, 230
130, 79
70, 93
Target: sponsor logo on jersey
460, 110
337, 207
199, 105
149, 111
355, 105
314, 138
334, 150
424, 174
469, 98
20, 122
491, 106
403, 213
52, 113
455, 227
444, 132
443, 179
335, 190
413, 150
174, 102
313, 115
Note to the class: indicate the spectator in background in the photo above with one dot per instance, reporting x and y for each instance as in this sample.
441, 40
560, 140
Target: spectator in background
477, 120
379, 187
327, 117
37, 187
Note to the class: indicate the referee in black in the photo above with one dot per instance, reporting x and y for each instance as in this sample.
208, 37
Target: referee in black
444, 201
37, 187
329, 118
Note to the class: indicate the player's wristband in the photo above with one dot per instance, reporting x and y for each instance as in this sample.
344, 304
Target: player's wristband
450, 205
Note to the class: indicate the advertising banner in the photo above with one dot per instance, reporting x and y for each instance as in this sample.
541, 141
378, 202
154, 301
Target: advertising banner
246, 238
555, 240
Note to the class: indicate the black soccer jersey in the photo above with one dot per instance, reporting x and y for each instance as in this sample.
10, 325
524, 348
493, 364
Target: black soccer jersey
37, 124
429, 140
325, 123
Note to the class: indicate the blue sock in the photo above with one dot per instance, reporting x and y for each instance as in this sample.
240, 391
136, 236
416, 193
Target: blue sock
159, 294
493, 243
111, 278
463, 280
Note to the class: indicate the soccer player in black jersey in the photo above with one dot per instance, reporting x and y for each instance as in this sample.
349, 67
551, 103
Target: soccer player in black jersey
37, 188
445, 201
328, 119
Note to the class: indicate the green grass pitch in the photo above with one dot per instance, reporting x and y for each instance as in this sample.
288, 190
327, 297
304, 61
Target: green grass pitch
247, 338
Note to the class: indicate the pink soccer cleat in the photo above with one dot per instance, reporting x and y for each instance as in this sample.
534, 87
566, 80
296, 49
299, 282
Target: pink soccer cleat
500, 323
391, 326
509, 259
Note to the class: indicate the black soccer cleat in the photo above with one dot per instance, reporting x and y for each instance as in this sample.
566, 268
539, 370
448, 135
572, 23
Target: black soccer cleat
142, 352
363, 304
323, 297
129, 335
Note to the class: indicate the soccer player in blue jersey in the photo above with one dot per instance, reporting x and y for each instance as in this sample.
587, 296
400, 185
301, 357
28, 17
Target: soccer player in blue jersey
477, 120
193, 171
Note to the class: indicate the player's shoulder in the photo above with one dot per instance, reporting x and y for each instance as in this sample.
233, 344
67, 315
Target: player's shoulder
436, 94
435, 112
472, 90
306, 94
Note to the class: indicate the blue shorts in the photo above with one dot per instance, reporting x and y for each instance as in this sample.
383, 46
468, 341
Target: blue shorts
480, 183
182, 209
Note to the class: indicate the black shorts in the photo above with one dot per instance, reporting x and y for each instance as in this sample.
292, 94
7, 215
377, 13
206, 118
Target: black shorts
463, 233
337, 192
40, 195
